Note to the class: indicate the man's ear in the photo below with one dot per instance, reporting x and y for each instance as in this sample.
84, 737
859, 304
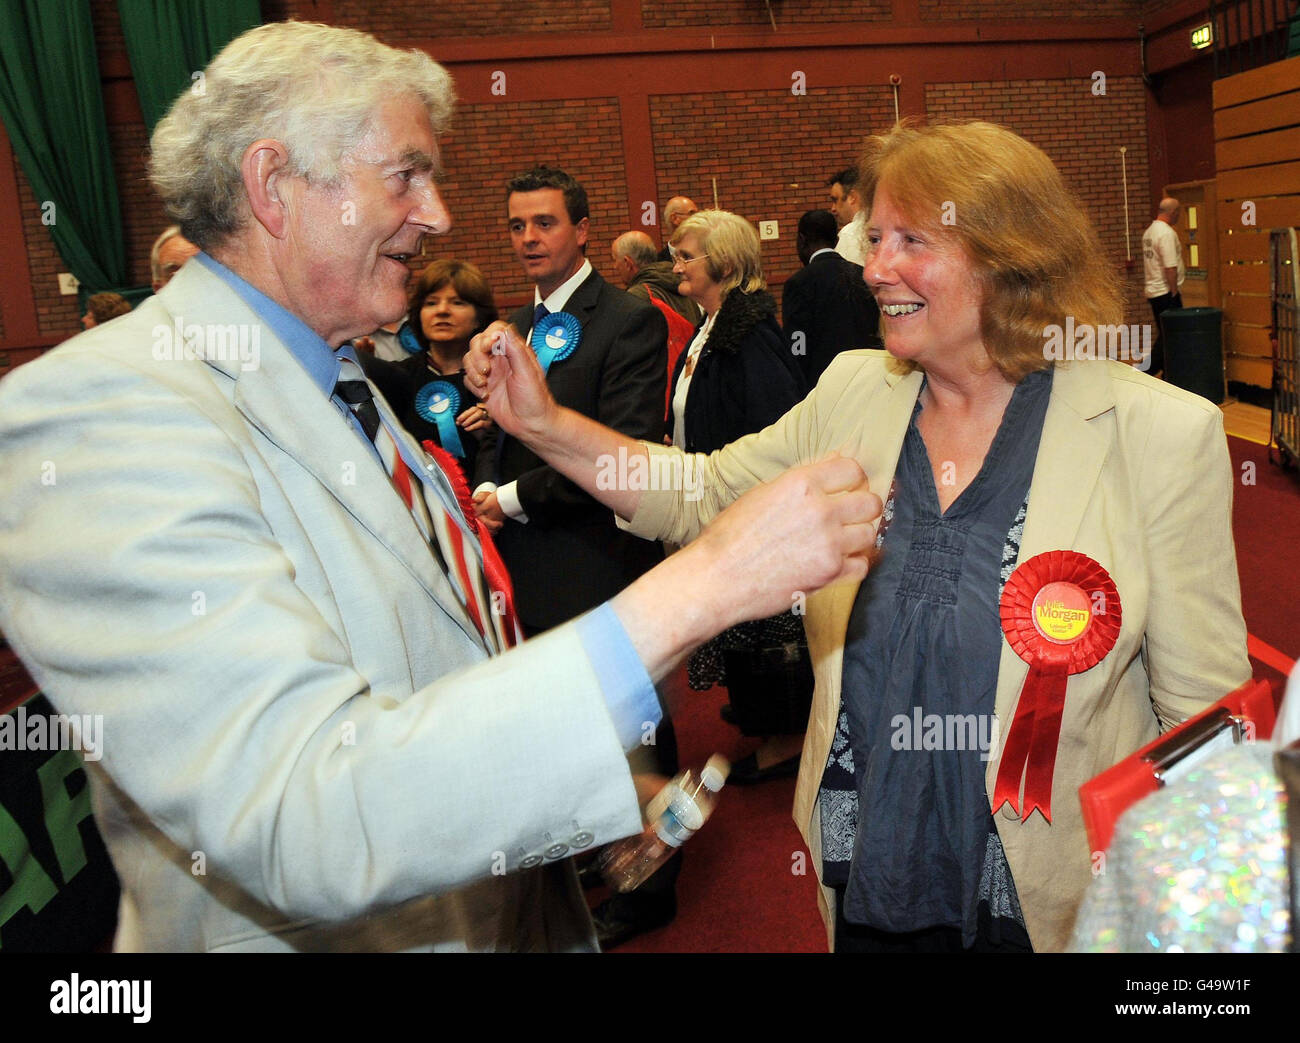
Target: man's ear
583, 226
263, 170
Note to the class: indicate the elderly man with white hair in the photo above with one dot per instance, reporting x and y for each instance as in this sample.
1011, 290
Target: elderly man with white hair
318, 732
169, 253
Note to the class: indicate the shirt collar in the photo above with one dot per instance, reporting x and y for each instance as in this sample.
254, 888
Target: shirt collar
306, 345
823, 250
557, 300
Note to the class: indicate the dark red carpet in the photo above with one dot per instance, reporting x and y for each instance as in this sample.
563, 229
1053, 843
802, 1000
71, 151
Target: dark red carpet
1266, 522
747, 884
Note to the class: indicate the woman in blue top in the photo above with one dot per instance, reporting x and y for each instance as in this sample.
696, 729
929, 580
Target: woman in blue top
996, 448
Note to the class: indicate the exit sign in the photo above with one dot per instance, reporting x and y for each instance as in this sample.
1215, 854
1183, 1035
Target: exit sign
1202, 36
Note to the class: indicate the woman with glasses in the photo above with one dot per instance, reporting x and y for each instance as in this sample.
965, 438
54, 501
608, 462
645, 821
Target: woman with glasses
736, 377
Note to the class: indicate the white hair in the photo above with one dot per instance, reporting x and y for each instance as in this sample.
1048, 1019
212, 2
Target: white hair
155, 262
638, 246
314, 88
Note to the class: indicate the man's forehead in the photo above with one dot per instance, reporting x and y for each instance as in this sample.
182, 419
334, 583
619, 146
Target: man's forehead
400, 136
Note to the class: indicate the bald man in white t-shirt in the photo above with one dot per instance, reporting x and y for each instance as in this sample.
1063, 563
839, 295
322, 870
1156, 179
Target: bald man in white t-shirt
1162, 258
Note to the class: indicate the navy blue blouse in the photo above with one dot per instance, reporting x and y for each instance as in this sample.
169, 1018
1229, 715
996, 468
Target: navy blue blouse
919, 683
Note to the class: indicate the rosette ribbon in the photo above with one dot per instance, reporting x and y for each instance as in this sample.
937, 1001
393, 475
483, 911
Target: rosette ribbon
406, 338
438, 402
494, 566
1060, 612
555, 338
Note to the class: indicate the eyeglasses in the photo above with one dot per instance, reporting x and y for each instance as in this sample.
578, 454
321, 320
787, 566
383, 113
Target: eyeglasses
681, 255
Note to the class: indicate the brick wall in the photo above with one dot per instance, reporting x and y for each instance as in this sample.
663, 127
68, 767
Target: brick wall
491, 143
56, 315
418, 19
142, 220
1150, 7
142, 212
770, 151
1082, 134
107, 25
968, 10
662, 14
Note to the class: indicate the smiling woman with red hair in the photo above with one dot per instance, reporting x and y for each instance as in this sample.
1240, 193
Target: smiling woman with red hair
1006, 475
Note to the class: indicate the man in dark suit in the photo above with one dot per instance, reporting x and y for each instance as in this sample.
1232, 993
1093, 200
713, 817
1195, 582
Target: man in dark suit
564, 552
826, 308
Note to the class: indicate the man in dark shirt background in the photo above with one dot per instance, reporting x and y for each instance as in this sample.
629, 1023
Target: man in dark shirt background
826, 308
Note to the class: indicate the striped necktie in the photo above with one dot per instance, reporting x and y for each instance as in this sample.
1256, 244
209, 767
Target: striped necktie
475, 572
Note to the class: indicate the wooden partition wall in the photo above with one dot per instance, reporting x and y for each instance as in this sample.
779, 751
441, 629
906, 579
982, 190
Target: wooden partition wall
1257, 157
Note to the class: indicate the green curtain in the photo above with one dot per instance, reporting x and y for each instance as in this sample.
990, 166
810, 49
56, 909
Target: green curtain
168, 41
53, 111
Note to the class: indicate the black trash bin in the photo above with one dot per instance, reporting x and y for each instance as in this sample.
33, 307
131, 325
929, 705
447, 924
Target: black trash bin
1193, 343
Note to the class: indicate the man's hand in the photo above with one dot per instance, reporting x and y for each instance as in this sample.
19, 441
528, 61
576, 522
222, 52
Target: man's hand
812, 526
505, 373
489, 511
648, 785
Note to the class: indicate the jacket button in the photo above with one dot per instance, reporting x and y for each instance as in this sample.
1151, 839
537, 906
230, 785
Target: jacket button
557, 851
529, 861
581, 839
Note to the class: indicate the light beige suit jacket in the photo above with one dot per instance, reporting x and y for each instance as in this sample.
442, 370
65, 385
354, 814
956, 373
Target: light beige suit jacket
1132, 472
305, 743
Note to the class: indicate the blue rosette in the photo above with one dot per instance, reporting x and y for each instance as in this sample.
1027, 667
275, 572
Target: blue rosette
438, 402
555, 338
406, 338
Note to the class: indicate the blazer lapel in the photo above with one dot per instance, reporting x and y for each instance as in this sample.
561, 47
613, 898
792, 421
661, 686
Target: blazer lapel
875, 445
277, 397
1073, 450
582, 302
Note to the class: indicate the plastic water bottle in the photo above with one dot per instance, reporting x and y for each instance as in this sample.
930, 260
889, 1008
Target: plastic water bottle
674, 816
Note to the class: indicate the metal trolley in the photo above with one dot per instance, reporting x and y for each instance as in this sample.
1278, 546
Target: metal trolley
1285, 260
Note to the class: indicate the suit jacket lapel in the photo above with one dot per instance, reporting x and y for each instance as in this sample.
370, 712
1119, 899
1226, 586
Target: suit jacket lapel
278, 398
876, 448
1074, 450
582, 302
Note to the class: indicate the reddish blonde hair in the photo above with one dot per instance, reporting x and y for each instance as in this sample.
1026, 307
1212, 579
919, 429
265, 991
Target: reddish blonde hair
1031, 244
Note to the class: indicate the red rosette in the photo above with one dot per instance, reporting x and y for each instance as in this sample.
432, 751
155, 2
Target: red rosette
1061, 614
494, 567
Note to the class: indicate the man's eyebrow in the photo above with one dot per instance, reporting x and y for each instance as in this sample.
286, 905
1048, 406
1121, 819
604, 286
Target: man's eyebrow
417, 159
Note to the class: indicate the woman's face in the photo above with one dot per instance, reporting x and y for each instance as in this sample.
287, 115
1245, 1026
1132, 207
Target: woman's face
694, 273
447, 318
926, 287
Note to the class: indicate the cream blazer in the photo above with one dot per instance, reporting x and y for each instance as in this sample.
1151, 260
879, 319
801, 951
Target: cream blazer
1132, 472
306, 746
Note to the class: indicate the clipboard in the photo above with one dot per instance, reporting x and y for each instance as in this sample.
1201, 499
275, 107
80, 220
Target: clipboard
1243, 715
